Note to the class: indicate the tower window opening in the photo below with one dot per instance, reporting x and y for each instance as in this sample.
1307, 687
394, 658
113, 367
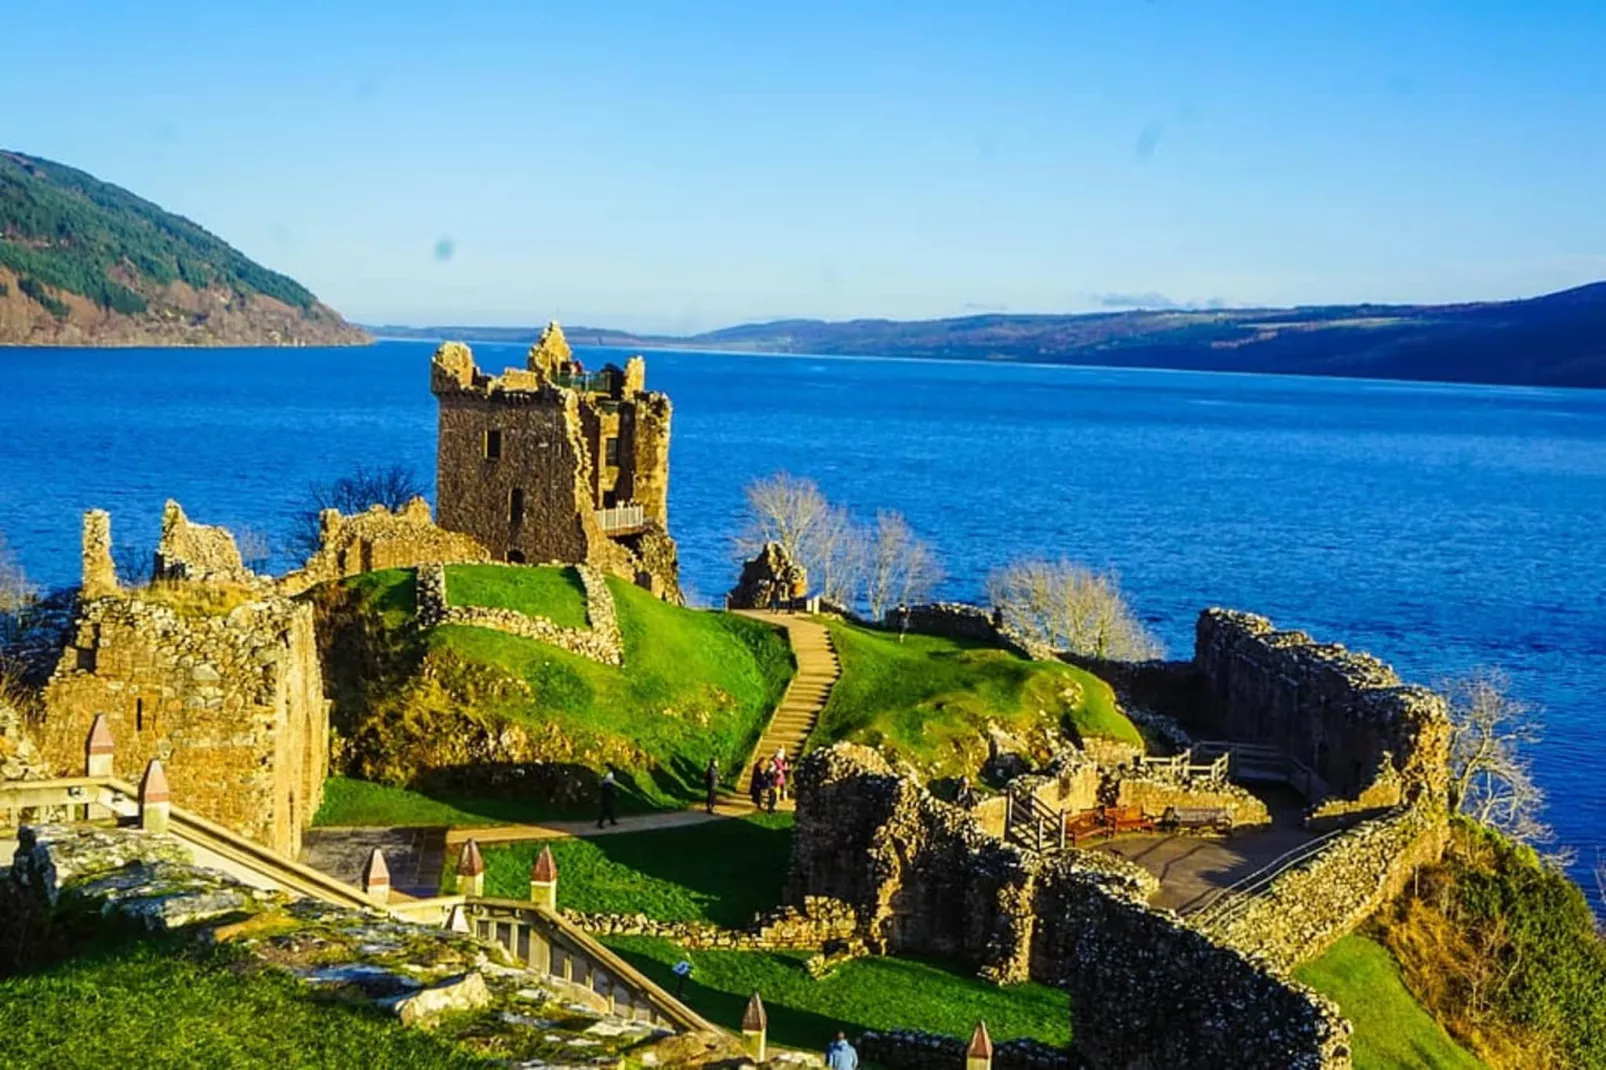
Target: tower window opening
493, 445
515, 506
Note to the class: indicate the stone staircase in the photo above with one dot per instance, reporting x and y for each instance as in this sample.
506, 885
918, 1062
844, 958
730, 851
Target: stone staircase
818, 669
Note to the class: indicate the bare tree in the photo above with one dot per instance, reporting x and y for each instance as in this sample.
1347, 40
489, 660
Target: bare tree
1491, 778
16, 592
901, 569
1068, 606
255, 551
836, 554
782, 509
135, 563
393, 487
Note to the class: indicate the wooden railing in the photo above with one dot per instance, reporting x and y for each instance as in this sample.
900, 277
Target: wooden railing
1260, 761
1031, 823
1185, 764
621, 518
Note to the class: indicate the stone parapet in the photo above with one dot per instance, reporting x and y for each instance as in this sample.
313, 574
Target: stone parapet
821, 923
910, 1049
377, 539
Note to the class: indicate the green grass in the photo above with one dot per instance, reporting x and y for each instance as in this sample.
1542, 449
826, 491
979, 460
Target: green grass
554, 593
869, 993
722, 872
1391, 1028
931, 698
155, 1005
361, 802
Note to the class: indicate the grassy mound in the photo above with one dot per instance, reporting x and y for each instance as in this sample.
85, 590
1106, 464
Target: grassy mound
1391, 1028
155, 1005
434, 712
870, 993
930, 699
722, 872
555, 593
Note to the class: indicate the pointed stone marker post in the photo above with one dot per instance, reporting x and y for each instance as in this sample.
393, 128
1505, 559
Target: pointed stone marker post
470, 870
155, 799
376, 877
544, 880
98, 748
755, 1027
979, 1055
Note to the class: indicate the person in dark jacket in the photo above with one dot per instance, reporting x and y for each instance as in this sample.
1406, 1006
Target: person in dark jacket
610, 800
756, 789
711, 781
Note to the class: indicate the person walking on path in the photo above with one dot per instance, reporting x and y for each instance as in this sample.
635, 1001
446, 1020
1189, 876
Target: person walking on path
711, 781
756, 789
780, 772
771, 781
966, 796
610, 799
840, 1055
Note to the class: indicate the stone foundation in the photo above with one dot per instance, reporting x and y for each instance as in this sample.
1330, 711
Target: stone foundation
378, 539
601, 642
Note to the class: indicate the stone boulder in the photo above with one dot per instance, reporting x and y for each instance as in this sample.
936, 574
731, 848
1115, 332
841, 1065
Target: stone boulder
770, 577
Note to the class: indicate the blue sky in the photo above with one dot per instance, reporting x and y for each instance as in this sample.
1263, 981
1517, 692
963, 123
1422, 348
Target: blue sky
665, 166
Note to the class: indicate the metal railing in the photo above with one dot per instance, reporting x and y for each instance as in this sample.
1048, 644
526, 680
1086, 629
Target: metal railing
1237, 897
621, 517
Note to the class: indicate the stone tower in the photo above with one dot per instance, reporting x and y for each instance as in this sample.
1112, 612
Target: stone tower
552, 463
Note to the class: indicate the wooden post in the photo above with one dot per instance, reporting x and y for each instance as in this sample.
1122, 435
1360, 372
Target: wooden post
544, 880
979, 1054
1062, 831
470, 870
155, 799
376, 877
98, 748
755, 1028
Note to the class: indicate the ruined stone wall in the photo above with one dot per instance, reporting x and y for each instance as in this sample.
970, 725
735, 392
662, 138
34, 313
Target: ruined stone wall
911, 1049
378, 539
644, 453
1309, 907
601, 642
1345, 715
1156, 792
19, 760
232, 703
1146, 990
961, 620
200, 553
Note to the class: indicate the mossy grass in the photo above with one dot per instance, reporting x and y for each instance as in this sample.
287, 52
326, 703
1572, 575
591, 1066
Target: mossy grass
548, 591
723, 871
361, 802
867, 993
1391, 1029
930, 698
161, 1004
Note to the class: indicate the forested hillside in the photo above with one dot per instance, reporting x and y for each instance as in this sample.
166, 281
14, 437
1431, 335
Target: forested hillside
84, 262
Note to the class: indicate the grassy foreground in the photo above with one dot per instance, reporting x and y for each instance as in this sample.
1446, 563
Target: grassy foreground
722, 872
930, 699
154, 1005
869, 993
362, 802
694, 685
1391, 1029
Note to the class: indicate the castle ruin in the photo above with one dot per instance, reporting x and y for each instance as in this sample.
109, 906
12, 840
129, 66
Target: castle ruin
550, 463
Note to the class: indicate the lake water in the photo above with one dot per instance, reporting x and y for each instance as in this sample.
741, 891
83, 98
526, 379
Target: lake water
1440, 527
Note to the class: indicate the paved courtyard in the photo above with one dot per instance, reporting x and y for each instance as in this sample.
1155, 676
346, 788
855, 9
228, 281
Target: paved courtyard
1194, 870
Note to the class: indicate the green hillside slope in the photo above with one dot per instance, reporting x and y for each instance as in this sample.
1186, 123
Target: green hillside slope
84, 262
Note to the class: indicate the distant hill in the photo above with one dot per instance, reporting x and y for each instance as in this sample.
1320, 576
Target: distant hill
1555, 340
83, 262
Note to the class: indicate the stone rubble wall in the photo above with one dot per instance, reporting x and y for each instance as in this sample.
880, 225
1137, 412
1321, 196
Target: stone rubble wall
961, 620
910, 1049
1355, 874
601, 642
19, 759
821, 922
1145, 989
231, 702
1156, 792
380, 539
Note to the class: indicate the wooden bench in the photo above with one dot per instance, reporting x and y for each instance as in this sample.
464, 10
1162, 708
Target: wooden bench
1196, 818
1086, 825
1120, 819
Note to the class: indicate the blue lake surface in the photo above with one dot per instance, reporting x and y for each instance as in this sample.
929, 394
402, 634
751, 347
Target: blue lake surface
1440, 527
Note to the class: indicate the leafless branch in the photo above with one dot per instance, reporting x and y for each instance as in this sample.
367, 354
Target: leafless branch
1491, 776
1068, 606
